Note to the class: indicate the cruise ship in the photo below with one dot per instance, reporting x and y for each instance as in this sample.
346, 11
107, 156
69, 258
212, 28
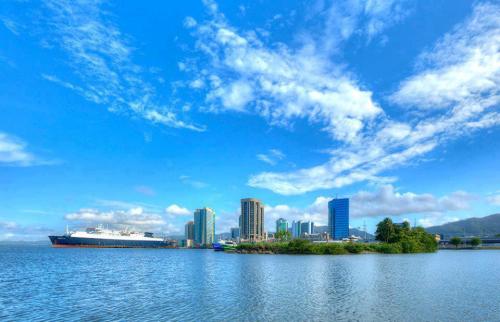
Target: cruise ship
100, 237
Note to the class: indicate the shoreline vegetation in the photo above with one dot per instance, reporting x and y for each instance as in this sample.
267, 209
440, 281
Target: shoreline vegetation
392, 239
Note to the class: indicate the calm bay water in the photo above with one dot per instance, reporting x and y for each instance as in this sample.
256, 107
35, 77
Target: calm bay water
39, 283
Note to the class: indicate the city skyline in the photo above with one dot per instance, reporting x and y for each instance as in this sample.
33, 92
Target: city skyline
135, 116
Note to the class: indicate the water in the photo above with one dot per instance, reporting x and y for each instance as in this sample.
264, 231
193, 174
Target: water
42, 283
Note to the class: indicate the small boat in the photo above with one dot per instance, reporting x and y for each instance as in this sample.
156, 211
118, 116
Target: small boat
218, 247
224, 246
229, 246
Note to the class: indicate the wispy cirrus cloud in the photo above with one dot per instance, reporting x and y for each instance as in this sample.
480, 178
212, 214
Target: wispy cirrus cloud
101, 57
466, 104
11, 25
462, 67
280, 83
283, 84
362, 19
272, 157
125, 205
14, 152
192, 182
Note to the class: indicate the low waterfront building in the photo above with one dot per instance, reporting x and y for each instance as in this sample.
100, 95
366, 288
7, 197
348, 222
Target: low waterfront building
187, 243
306, 227
316, 237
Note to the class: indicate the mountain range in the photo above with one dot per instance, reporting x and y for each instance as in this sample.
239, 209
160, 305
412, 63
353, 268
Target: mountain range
484, 226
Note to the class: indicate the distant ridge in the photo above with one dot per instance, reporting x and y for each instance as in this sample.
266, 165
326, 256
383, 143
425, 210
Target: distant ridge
484, 226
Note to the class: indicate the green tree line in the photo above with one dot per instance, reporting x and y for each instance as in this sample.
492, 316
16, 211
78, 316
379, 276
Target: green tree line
393, 239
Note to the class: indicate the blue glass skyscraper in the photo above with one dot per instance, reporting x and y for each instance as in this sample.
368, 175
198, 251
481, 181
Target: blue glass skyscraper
338, 218
204, 226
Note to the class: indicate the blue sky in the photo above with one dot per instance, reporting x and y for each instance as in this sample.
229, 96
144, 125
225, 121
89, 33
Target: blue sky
134, 114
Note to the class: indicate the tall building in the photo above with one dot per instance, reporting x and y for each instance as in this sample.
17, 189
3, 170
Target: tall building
306, 227
296, 229
252, 220
338, 218
281, 225
204, 226
235, 233
189, 230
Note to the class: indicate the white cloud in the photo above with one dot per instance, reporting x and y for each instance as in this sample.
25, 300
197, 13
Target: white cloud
197, 83
279, 83
494, 199
12, 231
236, 96
272, 157
388, 202
13, 152
135, 218
367, 19
176, 210
225, 221
463, 66
283, 84
436, 220
190, 22
101, 57
354, 164
390, 143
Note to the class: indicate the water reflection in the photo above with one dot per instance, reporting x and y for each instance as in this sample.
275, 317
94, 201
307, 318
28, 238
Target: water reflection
40, 283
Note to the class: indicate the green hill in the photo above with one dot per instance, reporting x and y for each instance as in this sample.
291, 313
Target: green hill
484, 226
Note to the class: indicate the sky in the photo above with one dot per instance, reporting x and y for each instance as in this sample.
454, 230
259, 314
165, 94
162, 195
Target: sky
133, 114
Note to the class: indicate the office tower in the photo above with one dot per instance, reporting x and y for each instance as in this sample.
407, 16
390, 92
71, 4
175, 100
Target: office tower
338, 218
204, 226
281, 225
306, 227
296, 229
252, 220
189, 230
235, 233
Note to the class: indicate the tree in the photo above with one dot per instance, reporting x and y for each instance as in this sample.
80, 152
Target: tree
283, 235
385, 230
476, 241
455, 241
